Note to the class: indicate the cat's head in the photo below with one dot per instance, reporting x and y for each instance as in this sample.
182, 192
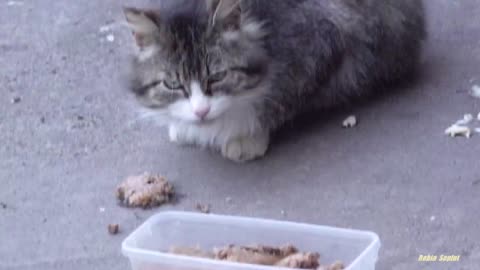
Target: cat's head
197, 58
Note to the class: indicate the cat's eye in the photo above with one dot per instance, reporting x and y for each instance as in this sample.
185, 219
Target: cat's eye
173, 84
217, 77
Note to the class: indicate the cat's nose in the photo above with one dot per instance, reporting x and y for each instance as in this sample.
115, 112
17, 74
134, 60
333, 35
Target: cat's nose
202, 112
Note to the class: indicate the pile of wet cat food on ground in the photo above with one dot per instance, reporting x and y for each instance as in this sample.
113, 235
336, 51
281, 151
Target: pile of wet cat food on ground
286, 256
145, 191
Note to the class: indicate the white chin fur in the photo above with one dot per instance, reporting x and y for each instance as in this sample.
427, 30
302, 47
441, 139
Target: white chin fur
229, 118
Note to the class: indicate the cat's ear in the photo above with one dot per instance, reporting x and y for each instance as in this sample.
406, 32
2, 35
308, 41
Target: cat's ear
227, 12
143, 25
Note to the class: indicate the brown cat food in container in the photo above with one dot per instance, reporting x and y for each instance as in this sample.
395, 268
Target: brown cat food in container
149, 246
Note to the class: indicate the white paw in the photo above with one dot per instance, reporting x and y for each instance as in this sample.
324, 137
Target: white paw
246, 148
175, 136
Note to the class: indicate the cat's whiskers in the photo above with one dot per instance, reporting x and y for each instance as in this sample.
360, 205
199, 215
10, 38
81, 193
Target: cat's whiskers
157, 116
144, 114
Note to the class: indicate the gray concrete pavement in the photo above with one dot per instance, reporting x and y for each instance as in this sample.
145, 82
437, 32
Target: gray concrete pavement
73, 137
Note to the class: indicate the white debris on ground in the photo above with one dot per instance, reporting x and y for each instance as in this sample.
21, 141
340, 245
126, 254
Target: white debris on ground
463, 127
350, 122
110, 38
14, 3
110, 26
104, 28
467, 118
475, 91
108, 30
456, 131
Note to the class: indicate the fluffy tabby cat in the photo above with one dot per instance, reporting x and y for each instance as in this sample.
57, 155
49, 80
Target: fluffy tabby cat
227, 73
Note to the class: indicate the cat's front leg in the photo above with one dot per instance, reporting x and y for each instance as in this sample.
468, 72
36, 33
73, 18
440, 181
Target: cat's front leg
178, 135
246, 148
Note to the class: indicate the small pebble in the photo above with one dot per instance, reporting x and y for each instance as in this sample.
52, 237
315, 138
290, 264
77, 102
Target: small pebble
228, 200
203, 208
16, 100
101, 209
3, 205
110, 38
350, 122
475, 91
42, 120
113, 229
432, 218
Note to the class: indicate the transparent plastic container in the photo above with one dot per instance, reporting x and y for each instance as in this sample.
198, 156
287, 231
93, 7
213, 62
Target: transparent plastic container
147, 246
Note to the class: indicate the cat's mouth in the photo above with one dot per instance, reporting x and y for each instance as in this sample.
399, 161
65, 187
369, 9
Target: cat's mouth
203, 122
